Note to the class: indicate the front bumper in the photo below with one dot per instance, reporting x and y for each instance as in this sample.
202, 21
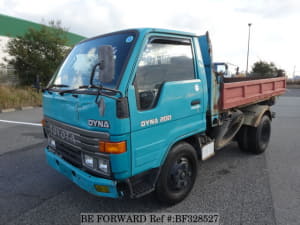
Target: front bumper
81, 178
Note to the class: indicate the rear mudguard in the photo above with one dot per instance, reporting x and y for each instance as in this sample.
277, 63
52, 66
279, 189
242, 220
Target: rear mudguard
254, 113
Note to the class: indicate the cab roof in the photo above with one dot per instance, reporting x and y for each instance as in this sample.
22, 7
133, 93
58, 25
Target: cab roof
161, 30
144, 31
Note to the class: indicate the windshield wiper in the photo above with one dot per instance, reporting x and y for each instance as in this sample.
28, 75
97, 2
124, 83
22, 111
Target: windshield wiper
54, 85
72, 90
58, 85
99, 88
101, 91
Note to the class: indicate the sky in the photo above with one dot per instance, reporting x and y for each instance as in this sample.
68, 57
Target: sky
274, 33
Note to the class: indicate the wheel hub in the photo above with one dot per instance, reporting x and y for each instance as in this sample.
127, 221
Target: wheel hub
265, 136
181, 174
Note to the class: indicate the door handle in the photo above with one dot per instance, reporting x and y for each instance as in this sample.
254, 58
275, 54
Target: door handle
195, 102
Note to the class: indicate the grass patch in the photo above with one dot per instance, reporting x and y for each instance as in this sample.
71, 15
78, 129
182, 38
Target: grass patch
17, 97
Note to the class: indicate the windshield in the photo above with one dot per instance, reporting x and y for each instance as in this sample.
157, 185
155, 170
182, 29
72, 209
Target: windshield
77, 68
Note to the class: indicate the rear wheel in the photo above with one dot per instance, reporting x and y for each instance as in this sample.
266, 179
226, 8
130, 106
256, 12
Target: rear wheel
259, 137
178, 174
255, 139
242, 138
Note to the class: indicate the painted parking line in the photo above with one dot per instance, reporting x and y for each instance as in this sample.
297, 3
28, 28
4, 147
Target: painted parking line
23, 123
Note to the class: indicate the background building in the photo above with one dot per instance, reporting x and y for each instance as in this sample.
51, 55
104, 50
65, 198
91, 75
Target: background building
11, 27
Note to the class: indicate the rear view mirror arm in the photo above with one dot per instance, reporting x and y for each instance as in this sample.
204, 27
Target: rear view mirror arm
93, 74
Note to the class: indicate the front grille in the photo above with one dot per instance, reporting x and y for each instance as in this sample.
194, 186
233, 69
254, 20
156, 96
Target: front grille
71, 155
71, 141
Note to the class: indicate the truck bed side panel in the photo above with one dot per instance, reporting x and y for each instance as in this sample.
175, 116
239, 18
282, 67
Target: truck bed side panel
247, 92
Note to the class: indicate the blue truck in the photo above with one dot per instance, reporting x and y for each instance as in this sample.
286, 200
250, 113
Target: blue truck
135, 111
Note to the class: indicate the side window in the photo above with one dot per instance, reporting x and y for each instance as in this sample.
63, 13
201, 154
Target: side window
163, 60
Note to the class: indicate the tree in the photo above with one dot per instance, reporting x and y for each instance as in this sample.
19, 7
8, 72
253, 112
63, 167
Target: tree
38, 53
262, 68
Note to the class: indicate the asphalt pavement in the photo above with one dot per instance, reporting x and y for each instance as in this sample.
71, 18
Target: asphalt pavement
242, 188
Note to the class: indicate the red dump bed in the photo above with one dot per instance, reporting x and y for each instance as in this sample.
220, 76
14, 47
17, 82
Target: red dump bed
234, 94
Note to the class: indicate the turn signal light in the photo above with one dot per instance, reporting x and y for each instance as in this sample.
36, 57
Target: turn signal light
112, 147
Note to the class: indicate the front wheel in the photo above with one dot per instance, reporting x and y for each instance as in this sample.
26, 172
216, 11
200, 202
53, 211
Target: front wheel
178, 174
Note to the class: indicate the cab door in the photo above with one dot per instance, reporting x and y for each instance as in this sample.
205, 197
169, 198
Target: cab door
166, 100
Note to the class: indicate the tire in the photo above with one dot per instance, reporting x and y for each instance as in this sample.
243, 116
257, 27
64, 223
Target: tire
259, 137
242, 138
178, 174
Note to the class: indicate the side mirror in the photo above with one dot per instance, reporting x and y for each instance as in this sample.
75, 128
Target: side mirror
107, 64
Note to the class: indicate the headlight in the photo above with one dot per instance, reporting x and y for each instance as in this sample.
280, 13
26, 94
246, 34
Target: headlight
103, 165
100, 165
88, 161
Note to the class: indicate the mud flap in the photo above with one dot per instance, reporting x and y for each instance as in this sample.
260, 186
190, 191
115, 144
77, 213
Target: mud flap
207, 151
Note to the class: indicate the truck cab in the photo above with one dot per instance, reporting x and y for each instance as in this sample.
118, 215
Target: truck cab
130, 112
